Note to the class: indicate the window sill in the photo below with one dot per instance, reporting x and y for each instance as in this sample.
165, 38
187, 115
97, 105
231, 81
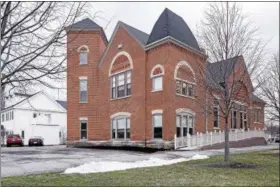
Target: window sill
157, 90
120, 139
191, 97
257, 122
83, 102
83, 140
120, 98
216, 128
83, 64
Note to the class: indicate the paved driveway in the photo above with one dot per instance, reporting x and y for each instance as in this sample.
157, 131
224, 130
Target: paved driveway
30, 160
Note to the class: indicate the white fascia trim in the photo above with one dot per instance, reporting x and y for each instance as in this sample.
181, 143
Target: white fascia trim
165, 39
120, 114
83, 78
119, 54
83, 118
158, 111
185, 110
157, 66
185, 81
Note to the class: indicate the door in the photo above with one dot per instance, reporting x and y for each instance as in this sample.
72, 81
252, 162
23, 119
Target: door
50, 133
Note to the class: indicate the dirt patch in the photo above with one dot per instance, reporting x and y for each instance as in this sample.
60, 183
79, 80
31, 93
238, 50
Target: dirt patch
234, 165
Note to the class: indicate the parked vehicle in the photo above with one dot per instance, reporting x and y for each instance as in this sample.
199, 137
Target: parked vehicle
14, 139
36, 140
277, 138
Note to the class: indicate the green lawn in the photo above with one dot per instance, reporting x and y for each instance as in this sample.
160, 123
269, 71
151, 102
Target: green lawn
192, 173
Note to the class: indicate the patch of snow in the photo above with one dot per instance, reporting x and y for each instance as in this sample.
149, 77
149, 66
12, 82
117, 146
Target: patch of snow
106, 166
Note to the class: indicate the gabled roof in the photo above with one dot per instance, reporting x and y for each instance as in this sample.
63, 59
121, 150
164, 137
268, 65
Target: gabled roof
256, 99
140, 36
172, 25
62, 103
86, 24
221, 70
28, 96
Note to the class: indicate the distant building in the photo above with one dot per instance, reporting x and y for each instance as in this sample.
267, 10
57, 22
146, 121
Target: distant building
35, 115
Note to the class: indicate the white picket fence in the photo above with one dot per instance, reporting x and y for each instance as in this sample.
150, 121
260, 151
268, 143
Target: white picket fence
210, 138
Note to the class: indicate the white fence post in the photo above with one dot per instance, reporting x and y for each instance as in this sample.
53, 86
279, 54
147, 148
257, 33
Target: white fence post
201, 139
211, 138
220, 133
175, 142
236, 135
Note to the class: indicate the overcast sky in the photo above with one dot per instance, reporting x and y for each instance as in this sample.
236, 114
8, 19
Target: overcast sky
143, 15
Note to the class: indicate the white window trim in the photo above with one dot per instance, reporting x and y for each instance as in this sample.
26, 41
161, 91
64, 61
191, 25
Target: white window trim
158, 111
154, 125
183, 63
83, 78
83, 119
114, 59
125, 83
155, 76
83, 46
157, 66
185, 110
120, 114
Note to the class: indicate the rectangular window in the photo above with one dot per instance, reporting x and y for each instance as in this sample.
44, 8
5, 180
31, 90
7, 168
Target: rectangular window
83, 91
121, 85
178, 126
241, 119
121, 128
83, 124
59, 134
157, 83
7, 116
216, 114
83, 58
157, 124
257, 115
3, 117
22, 134
12, 115
234, 120
184, 88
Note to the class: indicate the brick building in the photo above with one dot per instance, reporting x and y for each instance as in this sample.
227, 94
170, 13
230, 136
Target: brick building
141, 89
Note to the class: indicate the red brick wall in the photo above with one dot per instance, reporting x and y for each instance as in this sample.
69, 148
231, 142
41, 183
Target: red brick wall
75, 110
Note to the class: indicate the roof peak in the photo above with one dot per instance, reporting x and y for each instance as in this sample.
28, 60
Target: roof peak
173, 25
84, 24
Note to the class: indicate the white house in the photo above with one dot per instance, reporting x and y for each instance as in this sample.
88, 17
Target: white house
36, 115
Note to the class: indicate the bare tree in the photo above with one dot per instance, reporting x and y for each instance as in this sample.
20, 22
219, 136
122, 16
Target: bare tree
33, 42
229, 39
270, 88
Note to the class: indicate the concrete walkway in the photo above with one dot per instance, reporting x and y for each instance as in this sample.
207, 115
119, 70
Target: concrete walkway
187, 154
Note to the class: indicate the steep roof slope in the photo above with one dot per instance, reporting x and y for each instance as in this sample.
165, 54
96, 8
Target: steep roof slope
141, 36
84, 24
170, 24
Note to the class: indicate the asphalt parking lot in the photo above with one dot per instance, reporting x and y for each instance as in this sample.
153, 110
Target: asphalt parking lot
32, 160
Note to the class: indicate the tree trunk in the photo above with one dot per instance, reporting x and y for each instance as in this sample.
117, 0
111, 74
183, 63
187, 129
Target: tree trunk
226, 141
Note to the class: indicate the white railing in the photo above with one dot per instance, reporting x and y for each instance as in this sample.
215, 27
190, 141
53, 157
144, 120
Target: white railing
210, 138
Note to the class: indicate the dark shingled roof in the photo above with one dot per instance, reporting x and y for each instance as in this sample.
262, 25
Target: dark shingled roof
217, 72
86, 24
62, 103
141, 36
170, 24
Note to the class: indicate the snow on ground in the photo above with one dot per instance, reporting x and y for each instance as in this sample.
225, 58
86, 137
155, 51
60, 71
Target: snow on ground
106, 166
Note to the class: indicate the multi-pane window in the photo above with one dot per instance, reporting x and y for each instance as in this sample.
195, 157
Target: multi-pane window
234, 119
216, 113
3, 117
184, 88
239, 116
83, 90
121, 127
157, 77
83, 124
83, 57
121, 85
157, 125
257, 115
184, 124
22, 134
7, 116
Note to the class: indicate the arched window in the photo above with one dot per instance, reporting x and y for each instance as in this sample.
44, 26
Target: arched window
157, 77
184, 122
83, 50
184, 76
120, 124
120, 74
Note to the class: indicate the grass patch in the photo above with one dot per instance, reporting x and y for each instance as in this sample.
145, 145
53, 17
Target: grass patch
182, 174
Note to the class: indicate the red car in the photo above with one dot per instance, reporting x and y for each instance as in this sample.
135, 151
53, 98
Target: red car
36, 140
14, 139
